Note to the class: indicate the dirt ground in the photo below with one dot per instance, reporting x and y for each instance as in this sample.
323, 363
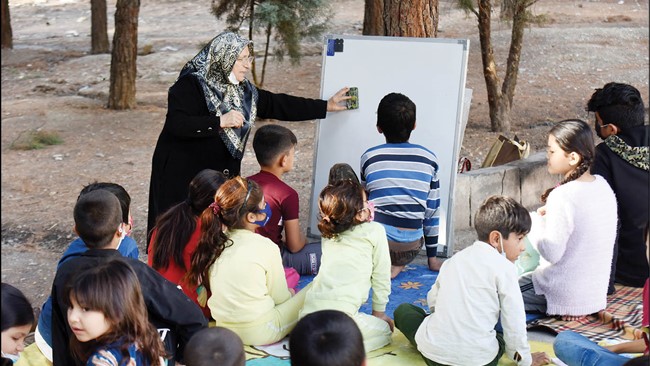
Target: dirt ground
51, 82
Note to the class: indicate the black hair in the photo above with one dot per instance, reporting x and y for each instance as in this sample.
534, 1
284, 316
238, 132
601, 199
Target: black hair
326, 338
618, 104
16, 309
396, 117
97, 217
214, 346
175, 227
117, 190
342, 171
271, 141
574, 135
503, 214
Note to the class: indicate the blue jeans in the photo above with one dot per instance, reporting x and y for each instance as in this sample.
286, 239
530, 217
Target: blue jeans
577, 350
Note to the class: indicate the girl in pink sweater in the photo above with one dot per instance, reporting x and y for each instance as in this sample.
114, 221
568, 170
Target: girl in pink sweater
574, 231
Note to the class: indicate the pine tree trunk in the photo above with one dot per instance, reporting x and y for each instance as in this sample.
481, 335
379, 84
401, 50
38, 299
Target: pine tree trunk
489, 66
7, 34
401, 18
373, 18
98, 27
124, 55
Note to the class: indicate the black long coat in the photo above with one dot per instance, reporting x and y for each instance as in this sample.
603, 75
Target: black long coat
189, 141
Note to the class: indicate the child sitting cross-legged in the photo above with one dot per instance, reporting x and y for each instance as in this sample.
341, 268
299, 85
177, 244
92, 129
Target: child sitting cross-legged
355, 259
476, 287
275, 148
243, 270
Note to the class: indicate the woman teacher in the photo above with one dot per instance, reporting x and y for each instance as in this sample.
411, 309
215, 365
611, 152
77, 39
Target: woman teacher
211, 110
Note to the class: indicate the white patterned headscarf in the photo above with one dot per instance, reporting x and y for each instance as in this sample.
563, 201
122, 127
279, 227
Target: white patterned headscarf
212, 67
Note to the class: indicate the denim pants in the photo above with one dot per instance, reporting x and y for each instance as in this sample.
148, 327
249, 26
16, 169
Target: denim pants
577, 350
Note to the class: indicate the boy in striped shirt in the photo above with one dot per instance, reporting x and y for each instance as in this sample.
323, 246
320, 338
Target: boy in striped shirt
402, 182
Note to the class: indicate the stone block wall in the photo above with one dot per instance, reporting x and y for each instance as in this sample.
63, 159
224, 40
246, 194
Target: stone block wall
524, 180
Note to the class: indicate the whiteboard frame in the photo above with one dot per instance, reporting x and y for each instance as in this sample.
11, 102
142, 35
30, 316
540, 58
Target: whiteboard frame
446, 228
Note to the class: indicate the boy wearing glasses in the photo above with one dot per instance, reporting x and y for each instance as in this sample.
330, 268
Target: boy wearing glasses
623, 159
275, 148
402, 182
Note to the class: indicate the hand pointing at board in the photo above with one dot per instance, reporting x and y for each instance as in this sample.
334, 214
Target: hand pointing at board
333, 104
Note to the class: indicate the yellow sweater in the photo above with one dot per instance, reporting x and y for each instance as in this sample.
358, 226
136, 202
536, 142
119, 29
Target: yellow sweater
247, 280
352, 263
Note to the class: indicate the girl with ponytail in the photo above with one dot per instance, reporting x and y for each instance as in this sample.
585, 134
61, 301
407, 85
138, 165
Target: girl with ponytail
574, 231
177, 232
243, 270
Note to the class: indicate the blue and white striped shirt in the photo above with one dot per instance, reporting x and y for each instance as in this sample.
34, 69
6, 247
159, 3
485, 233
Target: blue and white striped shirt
402, 182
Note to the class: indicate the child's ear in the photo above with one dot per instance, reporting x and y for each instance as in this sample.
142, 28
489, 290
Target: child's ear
574, 158
493, 239
415, 124
613, 129
74, 229
379, 130
283, 160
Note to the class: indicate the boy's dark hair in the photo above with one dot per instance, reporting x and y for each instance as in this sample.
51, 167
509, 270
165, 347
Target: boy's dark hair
502, 214
97, 216
618, 104
117, 190
396, 117
16, 309
326, 338
638, 361
271, 141
215, 346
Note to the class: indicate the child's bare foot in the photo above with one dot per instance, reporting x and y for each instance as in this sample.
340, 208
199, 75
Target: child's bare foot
395, 270
434, 264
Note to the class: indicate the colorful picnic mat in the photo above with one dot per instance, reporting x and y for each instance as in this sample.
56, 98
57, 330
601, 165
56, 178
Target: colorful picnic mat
410, 286
399, 352
621, 320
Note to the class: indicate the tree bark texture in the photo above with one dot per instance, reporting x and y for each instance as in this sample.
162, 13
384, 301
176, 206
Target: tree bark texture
98, 27
489, 66
124, 55
373, 18
7, 34
401, 18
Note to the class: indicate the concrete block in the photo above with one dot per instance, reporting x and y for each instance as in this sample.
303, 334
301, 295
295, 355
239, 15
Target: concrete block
485, 182
461, 209
535, 179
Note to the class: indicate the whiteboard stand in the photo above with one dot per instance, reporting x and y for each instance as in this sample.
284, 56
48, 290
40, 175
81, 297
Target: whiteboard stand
430, 71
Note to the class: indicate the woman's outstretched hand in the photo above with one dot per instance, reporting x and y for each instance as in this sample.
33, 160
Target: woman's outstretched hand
333, 103
232, 119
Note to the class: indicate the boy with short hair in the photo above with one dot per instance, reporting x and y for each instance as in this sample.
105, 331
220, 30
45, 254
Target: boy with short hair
215, 346
402, 181
98, 222
623, 159
127, 247
274, 147
476, 287
327, 338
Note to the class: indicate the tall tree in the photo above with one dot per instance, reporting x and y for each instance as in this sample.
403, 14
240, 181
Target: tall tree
407, 18
500, 96
289, 21
98, 27
7, 34
124, 55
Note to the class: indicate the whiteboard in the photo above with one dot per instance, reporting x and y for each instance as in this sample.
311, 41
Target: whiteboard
430, 71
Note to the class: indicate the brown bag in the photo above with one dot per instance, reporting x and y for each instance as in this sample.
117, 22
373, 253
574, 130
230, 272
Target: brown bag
505, 150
